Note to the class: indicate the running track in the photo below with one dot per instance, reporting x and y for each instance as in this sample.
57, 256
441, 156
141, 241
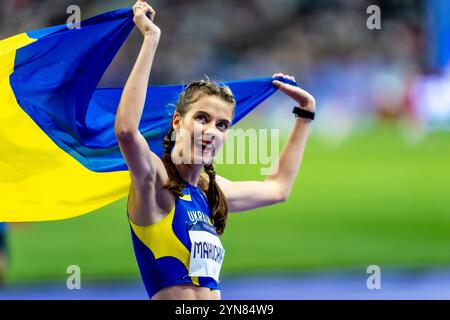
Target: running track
395, 284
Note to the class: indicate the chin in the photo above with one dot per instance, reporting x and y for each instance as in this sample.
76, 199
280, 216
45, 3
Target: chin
199, 159
205, 161
208, 159
203, 158
208, 162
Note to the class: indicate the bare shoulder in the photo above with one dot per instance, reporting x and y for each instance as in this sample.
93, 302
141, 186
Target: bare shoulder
223, 183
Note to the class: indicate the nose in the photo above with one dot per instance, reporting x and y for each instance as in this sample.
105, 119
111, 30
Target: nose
210, 133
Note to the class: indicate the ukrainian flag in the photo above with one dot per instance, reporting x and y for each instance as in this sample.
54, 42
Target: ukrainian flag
59, 157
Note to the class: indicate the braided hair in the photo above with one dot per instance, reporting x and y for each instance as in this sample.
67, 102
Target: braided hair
216, 199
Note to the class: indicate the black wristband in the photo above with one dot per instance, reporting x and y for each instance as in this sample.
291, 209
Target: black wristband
302, 113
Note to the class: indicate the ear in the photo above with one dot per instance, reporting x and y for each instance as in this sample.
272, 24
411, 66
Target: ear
176, 121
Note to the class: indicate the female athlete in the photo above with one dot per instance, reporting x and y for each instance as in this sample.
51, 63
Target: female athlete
177, 205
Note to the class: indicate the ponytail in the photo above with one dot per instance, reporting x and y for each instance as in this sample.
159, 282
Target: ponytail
216, 199
175, 183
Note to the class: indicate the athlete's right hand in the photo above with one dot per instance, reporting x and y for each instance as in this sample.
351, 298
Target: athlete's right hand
143, 22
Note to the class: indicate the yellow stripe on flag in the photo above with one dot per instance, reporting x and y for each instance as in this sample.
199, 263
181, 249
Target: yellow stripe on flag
38, 180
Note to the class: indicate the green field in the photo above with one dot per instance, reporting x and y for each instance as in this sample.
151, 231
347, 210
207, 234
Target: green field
374, 199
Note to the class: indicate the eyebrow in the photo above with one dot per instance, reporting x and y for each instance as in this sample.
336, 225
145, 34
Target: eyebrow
207, 114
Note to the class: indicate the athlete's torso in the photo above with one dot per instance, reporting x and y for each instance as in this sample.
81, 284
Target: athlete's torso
163, 250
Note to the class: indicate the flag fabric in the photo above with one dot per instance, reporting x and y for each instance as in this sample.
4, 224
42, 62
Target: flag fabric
59, 157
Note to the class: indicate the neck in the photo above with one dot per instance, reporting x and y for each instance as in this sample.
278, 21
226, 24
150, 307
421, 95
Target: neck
190, 172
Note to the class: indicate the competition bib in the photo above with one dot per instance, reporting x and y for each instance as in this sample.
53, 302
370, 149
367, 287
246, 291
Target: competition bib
206, 251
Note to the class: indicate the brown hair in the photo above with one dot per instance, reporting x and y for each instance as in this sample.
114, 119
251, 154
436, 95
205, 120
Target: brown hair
216, 199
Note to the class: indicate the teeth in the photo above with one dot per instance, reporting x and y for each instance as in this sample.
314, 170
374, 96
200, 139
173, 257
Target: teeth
205, 145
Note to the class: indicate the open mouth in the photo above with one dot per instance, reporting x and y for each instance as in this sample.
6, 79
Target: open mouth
206, 145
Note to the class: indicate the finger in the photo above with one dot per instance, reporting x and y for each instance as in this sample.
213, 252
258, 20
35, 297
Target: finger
278, 83
146, 6
138, 3
135, 7
281, 75
290, 78
148, 9
138, 6
142, 10
284, 87
141, 4
287, 89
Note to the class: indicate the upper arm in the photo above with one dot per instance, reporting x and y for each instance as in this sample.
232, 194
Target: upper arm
248, 195
148, 200
143, 164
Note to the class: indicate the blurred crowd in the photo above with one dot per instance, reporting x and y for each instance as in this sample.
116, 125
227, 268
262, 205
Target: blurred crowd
354, 72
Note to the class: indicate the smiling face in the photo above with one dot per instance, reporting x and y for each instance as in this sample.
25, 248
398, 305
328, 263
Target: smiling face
203, 129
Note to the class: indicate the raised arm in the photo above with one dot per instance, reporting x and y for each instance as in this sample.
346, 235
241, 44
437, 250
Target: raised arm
248, 195
141, 161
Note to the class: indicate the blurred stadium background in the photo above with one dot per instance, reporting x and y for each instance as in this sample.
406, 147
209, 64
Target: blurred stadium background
375, 181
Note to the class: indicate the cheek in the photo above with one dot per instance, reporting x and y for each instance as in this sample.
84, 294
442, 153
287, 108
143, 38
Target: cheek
189, 127
197, 127
221, 138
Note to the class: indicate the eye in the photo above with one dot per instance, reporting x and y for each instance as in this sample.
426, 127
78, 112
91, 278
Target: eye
201, 118
223, 126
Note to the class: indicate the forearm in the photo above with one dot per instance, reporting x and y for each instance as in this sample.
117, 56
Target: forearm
290, 159
134, 94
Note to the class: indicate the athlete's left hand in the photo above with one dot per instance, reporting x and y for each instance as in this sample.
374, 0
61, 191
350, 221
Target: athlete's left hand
304, 98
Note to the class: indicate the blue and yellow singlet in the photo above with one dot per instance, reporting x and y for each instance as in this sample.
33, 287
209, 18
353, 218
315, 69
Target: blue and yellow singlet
181, 248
